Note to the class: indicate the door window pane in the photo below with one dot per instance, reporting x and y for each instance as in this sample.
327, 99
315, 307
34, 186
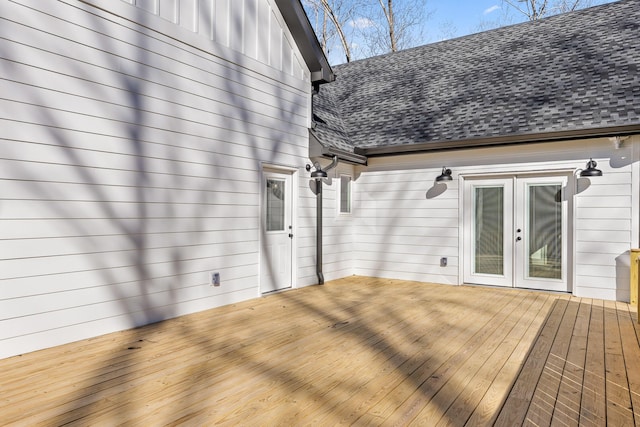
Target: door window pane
489, 230
275, 204
545, 231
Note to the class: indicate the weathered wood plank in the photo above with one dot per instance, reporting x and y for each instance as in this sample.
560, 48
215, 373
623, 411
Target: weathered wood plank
593, 407
544, 400
462, 380
567, 408
432, 380
618, 399
631, 353
358, 351
486, 411
514, 410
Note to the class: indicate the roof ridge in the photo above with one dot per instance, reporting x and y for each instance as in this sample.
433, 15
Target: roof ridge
504, 27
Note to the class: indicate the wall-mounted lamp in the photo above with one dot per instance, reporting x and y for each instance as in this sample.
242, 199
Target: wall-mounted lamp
445, 175
318, 173
591, 169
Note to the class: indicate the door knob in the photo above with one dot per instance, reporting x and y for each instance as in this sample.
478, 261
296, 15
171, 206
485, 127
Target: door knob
518, 238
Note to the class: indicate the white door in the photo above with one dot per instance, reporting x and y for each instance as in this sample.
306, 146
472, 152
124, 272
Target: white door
515, 232
277, 233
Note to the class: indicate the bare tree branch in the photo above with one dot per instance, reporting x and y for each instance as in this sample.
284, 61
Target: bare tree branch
538, 9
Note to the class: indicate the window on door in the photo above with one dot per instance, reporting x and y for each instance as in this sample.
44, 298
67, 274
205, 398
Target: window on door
489, 230
545, 235
275, 212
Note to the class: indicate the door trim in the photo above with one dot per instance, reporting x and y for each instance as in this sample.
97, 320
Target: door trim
293, 174
570, 191
469, 232
522, 202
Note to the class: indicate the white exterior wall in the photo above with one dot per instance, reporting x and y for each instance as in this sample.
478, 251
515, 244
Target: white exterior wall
405, 223
400, 232
130, 160
338, 229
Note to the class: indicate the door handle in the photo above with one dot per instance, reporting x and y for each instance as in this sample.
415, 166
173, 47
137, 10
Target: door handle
290, 236
518, 238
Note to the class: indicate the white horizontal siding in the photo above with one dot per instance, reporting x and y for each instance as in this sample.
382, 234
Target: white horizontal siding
406, 222
401, 232
129, 169
338, 229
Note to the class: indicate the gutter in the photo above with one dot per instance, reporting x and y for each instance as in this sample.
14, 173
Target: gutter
298, 22
444, 145
318, 149
346, 156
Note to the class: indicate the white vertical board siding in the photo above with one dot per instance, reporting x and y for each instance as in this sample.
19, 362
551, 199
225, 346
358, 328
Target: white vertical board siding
129, 169
254, 28
406, 222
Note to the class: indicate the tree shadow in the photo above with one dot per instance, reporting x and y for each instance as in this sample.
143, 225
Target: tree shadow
575, 371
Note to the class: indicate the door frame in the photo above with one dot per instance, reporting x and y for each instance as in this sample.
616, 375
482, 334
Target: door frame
265, 169
570, 191
522, 203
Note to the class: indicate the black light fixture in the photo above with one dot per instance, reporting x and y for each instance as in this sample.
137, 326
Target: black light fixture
318, 173
445, 175
591, 169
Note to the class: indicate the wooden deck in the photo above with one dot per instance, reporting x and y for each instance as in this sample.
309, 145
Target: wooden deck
355, 351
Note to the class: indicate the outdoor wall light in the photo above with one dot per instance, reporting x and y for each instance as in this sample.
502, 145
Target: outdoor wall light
591, 169
318, 173
445, 175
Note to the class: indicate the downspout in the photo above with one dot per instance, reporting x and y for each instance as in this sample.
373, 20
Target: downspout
319, 174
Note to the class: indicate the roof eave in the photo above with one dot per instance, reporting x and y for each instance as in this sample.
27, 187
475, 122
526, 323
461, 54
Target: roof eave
317, 148
301, 29
443, 145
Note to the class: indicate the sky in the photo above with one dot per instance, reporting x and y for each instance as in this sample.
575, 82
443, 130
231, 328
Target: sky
468, 15
455, 18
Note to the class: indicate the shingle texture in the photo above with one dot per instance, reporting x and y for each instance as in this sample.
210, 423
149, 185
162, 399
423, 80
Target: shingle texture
568, 72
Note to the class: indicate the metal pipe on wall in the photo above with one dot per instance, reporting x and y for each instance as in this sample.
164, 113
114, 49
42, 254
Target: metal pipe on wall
319, 174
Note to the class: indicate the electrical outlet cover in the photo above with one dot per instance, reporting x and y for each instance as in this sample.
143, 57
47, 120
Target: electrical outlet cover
215, 279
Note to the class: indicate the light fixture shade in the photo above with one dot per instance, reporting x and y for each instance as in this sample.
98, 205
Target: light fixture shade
318, 174
591, 169
445, 175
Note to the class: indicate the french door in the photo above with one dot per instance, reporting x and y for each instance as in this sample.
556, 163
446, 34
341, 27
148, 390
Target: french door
515, 232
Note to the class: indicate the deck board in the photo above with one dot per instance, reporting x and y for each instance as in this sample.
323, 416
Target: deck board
357, 351
593, 405
567, 407
618, 398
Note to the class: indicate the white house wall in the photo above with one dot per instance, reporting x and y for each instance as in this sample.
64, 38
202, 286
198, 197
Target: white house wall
405, 223
338, 229
254, 28
130, 163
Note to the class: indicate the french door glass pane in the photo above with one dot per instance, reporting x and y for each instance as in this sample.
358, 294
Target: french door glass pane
489, 230
275, 204
545, 231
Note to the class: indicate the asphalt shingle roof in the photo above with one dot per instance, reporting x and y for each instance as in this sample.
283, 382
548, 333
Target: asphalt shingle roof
565, 73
